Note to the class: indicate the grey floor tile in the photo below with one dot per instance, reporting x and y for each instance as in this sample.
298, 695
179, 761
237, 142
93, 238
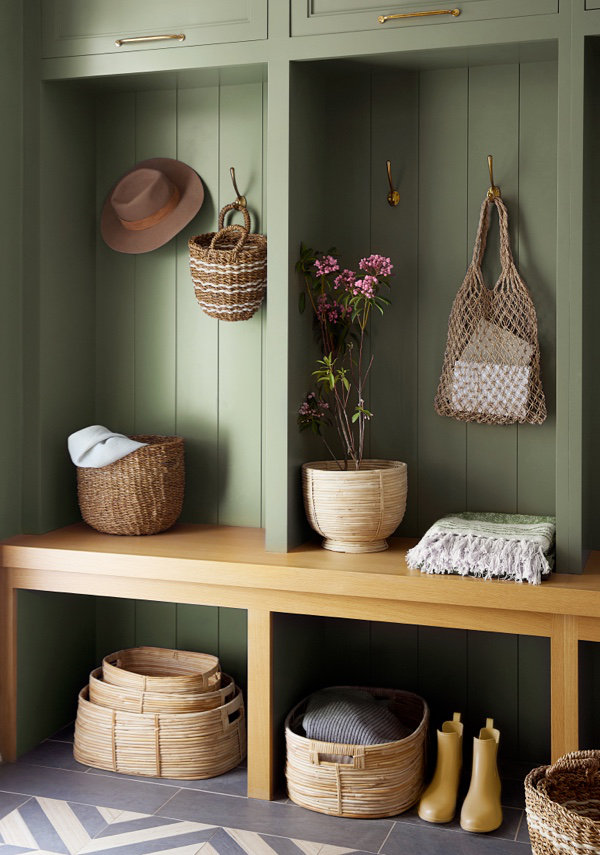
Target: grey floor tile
410, 839
523, 835
65, 734
508, 829
277, 819
10, 801
57, 755
83, 788
234, 783
9, 849
229, 841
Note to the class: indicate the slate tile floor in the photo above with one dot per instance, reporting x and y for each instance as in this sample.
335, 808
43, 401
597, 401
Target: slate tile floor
49, 804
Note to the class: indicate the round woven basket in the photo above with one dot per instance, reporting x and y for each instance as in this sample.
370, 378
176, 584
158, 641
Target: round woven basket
142, 493
359, 780
563, 805
229, 269
158, 669
133, 700
355, 510
188, 746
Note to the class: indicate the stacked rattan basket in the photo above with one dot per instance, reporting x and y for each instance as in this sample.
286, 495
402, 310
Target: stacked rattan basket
161, 713
563, 805
362, 781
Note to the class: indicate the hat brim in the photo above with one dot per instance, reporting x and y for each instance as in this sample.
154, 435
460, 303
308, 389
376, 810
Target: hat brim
191, 197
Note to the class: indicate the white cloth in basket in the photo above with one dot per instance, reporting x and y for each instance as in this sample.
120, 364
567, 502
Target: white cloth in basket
96, 446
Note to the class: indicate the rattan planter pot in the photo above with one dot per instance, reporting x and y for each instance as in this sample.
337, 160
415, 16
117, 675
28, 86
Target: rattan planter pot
142, 493
354, 780
133, 700
355, 510
188, 746
563, 805
158, 669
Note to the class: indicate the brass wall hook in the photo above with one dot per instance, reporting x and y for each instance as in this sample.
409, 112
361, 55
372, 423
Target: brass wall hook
493, 192
240, 201
393, 196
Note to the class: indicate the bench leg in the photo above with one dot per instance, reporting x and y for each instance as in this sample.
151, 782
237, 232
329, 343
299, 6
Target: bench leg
260, 704
564, 693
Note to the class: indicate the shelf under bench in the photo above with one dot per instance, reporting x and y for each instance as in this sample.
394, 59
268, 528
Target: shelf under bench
228, 566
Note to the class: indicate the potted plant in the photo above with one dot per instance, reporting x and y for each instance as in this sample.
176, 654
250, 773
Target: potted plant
353, 502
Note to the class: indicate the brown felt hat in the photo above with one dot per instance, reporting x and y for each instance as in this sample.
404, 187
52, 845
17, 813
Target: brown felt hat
150, 204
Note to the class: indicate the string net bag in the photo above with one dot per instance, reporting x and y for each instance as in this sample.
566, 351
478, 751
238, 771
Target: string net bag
491, 371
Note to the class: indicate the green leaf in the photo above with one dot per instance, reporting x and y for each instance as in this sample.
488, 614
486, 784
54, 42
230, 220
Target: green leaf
355, 417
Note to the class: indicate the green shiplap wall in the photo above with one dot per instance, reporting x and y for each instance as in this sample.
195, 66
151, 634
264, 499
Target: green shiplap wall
162, 365
11, 68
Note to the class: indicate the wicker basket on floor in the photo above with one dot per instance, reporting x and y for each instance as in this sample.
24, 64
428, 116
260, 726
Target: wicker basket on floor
186, 746
134, 700
563, 805
359, 780
159, 669
229, 269
142, 493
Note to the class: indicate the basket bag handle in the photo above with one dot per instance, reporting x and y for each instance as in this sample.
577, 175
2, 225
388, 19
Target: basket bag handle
228, 230
506, 258
229, 710
323, 752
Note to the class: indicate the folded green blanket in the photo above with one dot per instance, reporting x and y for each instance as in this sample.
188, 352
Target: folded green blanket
502, 546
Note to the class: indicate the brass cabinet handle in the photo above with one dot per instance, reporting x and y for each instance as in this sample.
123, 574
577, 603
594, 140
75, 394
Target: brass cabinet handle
179, 37
454, 12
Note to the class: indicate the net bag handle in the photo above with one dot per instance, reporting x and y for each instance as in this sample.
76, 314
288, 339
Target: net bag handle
506, 257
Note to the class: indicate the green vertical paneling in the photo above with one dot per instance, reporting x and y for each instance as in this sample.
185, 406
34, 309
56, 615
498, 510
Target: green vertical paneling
537, 263
589, 700
115, 292
394, 650
56, 652
233, 634
11, 68
240, 358
155, 285
197, 628
534, 698
493, 129
66, 335
394, 232
493, 685
443, 673
115, 625
197, 334
442, 214
344, 646
155, 624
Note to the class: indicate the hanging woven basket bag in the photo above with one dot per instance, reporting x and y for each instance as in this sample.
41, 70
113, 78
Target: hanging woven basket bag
229, 269
563, 805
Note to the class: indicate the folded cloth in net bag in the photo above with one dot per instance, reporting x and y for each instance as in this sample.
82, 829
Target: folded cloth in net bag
504, 546
351, 717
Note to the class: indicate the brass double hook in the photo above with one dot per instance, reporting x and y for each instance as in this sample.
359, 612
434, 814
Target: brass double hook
393, 196
493, 192
240, 201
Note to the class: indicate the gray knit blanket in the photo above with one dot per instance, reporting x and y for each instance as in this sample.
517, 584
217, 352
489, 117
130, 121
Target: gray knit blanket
503, 546
351, 717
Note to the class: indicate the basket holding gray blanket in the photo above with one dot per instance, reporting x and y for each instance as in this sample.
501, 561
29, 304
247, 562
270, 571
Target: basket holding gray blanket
382, 776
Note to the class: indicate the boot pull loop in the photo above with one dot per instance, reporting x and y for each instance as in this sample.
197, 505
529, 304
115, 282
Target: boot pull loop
489, 723
456, 717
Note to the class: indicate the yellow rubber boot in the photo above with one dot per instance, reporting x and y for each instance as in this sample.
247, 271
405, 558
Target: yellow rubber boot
438, 802
481, 809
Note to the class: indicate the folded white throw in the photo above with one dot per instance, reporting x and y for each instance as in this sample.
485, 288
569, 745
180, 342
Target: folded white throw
96, 446
504, 546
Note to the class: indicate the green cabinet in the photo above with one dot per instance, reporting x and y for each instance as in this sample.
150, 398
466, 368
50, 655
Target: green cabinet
77, 27
336, 16
592, 4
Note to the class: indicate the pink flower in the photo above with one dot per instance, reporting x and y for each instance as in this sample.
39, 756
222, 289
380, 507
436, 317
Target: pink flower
345, 280
325, 265
365, 286
328, 309
379, 265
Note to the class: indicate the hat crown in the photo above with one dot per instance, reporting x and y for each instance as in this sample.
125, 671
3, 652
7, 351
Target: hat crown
140, 194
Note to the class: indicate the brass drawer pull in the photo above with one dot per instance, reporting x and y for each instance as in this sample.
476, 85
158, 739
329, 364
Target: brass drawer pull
179, 37
454, 12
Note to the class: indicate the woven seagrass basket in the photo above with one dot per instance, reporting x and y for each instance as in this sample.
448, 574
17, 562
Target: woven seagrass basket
134, 700
563, 805
229, 269
361, 781
158, 669
142, 493
187, 746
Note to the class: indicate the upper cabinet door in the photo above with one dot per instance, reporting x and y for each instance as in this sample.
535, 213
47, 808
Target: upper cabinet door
77, 27
341, 16
592, 4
